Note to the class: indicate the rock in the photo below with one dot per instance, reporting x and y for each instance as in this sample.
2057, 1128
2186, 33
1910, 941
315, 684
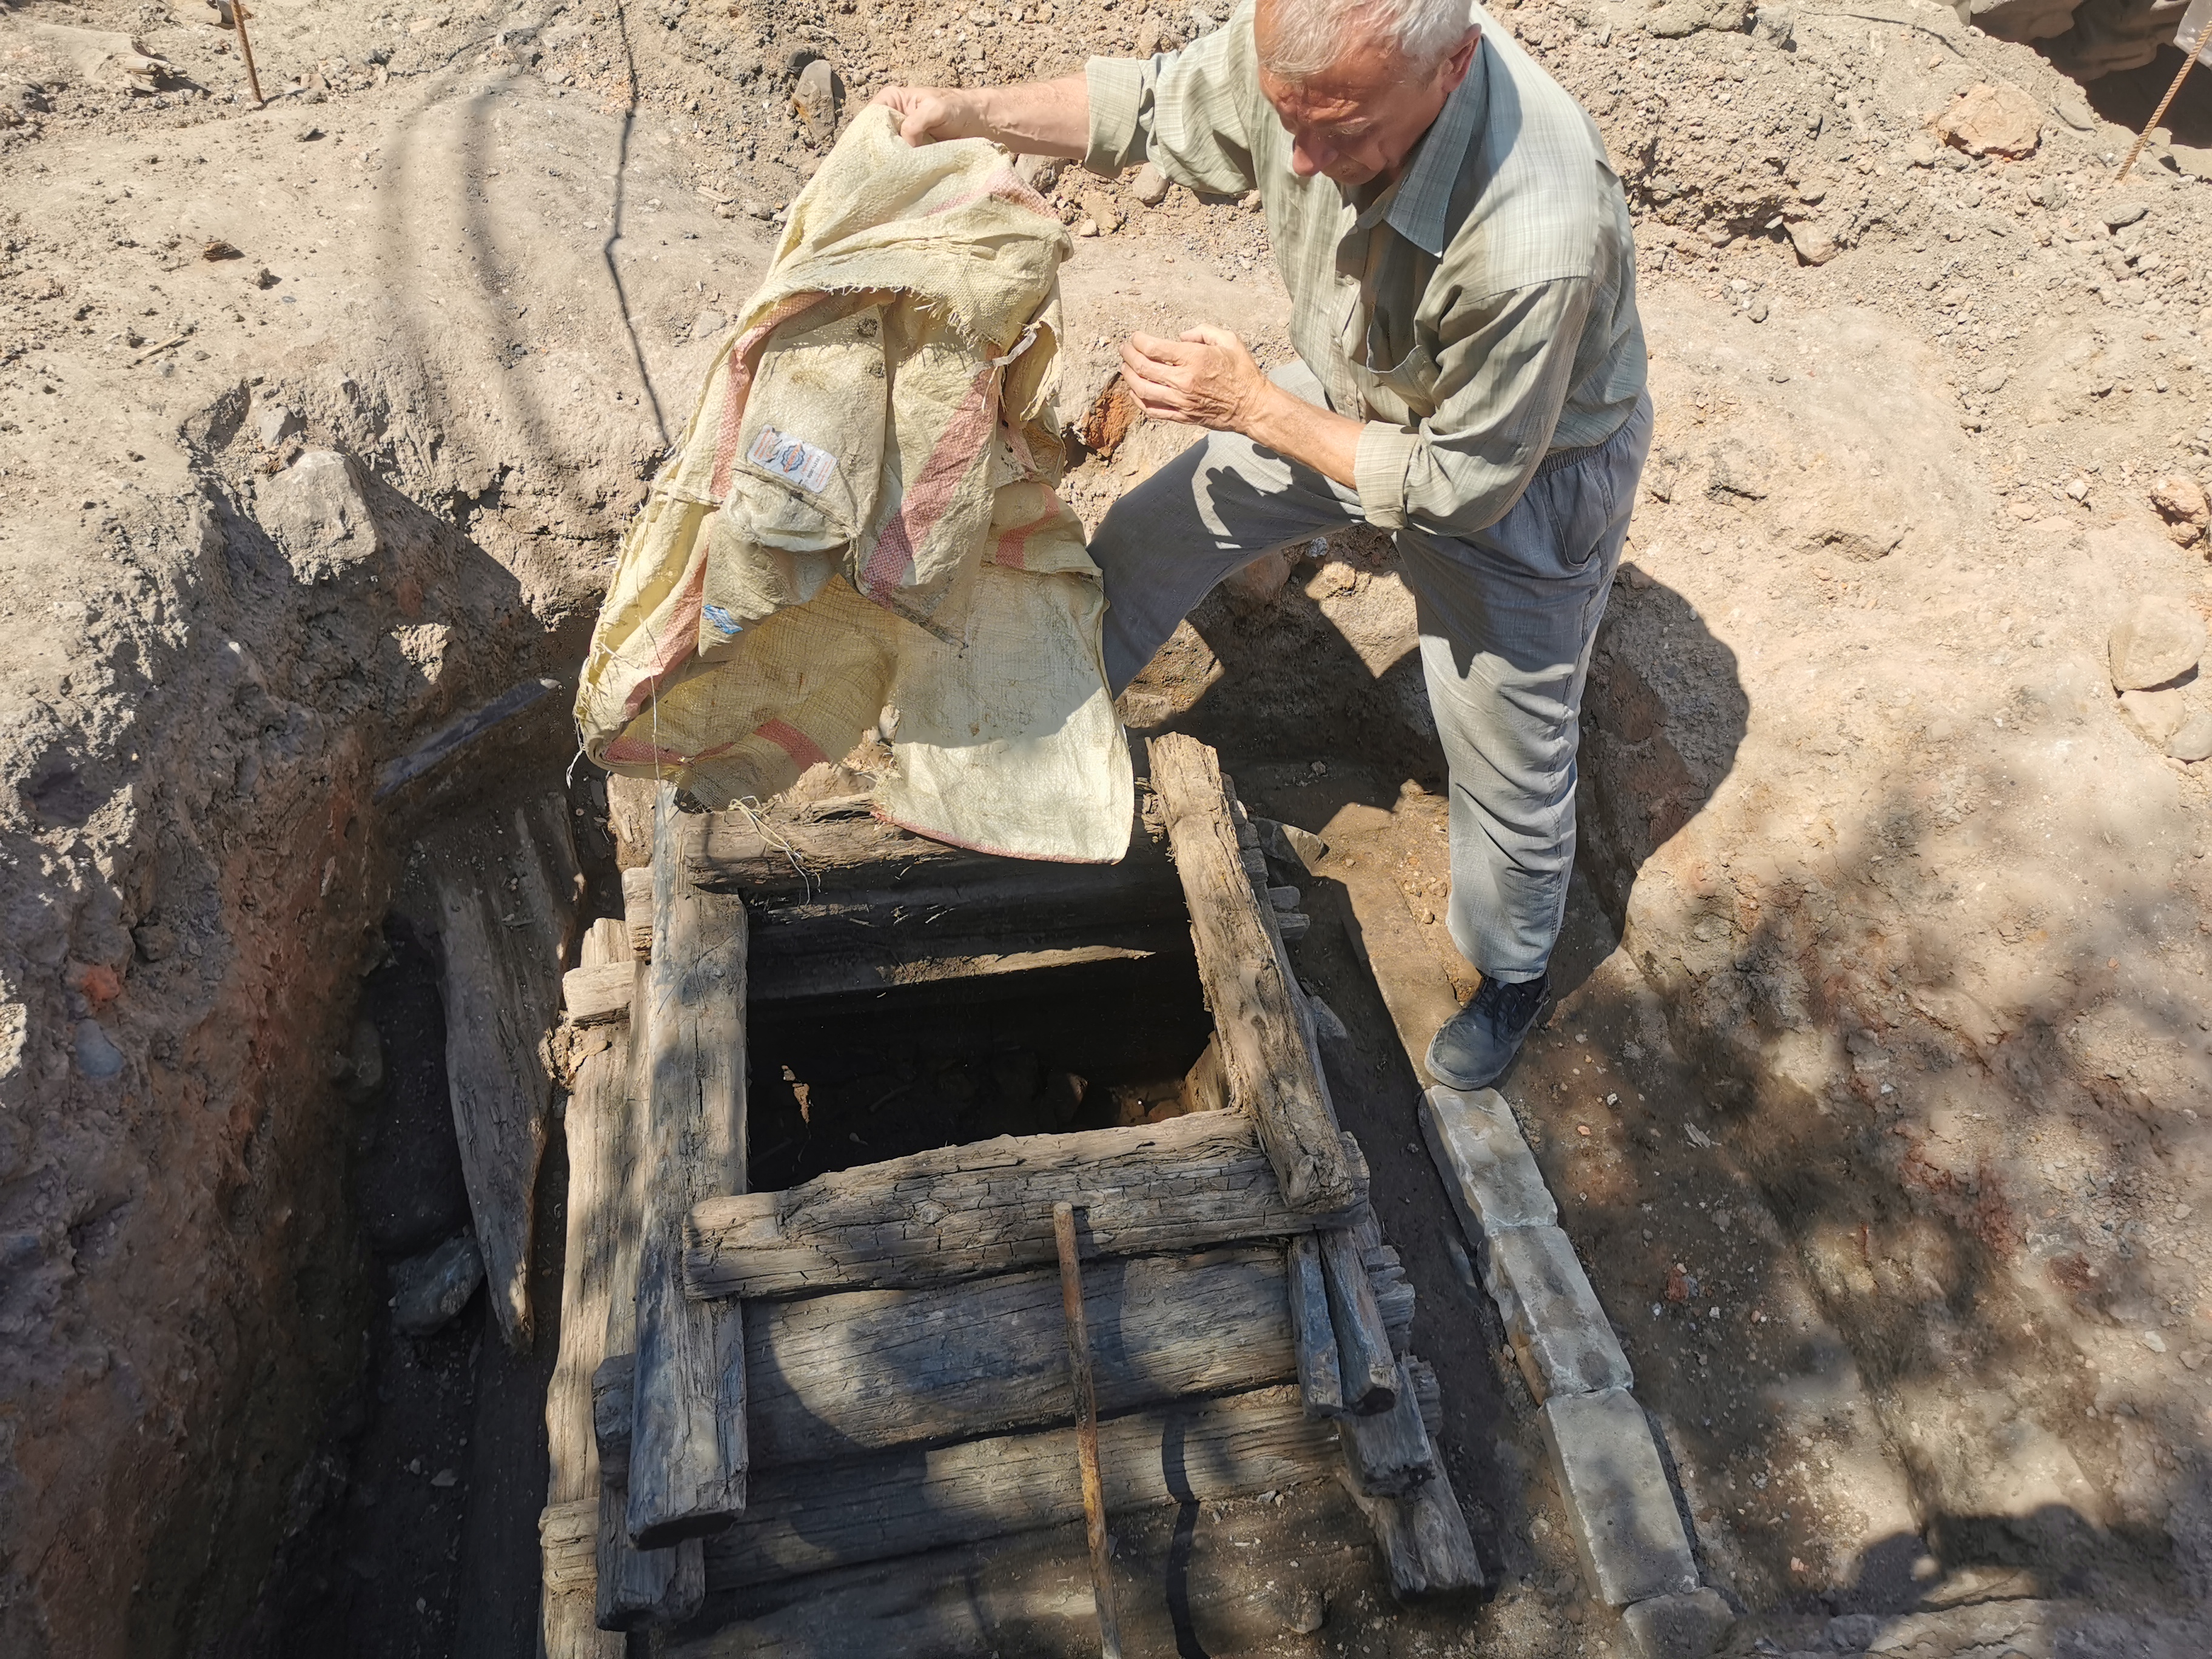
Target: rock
431, 1289
1102, 210
1814, 189
275, 423
1150, 186
1775, 25
2074, 111
1814, 244
1757, 310
360, 1069
2190, 162
1993, 120
1548, 1304
265, 278
1086, 227
2157, 640
1039, 173
97, 1056
1676, 19
1679, 1626
1489, 1173
2157, 714
2180, 502
1991, 381
2192, 742
1921, 151
315, 511
1310, 848
815, 101
1620, 1507
708, 325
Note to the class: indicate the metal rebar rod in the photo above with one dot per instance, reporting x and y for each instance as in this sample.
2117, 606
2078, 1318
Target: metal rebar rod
246, 49
2159, 114
1087, 1428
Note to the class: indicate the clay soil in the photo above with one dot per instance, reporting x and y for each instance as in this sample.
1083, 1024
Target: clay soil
1873, 1094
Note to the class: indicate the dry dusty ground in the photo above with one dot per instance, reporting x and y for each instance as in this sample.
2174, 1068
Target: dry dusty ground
1873, 1096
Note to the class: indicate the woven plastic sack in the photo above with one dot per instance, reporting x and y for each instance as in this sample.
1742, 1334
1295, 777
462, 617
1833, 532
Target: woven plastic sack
860, 525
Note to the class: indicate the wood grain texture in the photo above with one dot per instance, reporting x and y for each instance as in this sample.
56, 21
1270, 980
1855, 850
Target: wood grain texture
1270, 1065
1085, 1393
985, 1207
1320, 1383
832, 1377
506, 904
1423, 1534
598, 993
596, 1125
818, 1516
1389, 1452
688, 1441
1030, 1596
635, 1587
1366, 1364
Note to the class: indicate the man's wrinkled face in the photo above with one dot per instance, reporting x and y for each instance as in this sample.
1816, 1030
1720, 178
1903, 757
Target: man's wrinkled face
1359, 118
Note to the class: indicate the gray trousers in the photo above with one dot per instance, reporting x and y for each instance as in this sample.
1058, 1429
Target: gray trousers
1507, 617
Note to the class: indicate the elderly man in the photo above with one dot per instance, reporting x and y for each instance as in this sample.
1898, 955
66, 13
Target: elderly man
1471, 377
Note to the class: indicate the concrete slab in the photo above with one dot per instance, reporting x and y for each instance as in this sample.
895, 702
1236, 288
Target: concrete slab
1620, 1507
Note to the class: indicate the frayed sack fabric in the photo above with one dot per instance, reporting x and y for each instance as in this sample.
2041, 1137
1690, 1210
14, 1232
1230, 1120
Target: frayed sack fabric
861, 526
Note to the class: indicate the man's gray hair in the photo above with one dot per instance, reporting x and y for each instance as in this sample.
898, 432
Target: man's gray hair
1304, 37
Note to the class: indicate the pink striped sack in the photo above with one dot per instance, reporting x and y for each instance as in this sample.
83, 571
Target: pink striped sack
859, 527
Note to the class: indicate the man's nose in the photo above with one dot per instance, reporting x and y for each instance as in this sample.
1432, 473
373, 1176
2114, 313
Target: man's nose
1308, 158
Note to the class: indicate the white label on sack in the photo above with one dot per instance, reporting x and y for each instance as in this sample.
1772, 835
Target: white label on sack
793, 459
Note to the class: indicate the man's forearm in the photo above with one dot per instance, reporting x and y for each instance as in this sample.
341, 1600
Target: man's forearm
1037, 117
1304, 433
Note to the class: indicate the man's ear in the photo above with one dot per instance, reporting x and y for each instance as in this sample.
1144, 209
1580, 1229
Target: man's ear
1461, 59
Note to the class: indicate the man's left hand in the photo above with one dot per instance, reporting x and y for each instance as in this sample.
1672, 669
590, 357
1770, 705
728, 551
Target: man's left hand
1206, 379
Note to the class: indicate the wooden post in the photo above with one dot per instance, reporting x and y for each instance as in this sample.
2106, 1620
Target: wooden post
688, 1457
1320, 1383
636, 1587
597, 1124
1086, 1429
1365, 1359
1271, 1069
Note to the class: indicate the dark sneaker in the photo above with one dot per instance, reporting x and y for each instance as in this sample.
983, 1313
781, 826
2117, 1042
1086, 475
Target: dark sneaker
1472, 1050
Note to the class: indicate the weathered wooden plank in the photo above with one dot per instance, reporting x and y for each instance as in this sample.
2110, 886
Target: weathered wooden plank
504, 944
687, 1467
597, 993
1426, 1547
1320, 1383
637, 909
832, 1377
1030, 1596
1271, 1068
596, 1125
783, 859
817, 1516
635, 1587
985, 1207
1365, 1362
1389, 1452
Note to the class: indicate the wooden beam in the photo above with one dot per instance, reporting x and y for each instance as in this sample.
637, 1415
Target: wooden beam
635, 1588
598, 993
817, 1516
985, 1207
1320, 1383
598, 1127
1270, 1069
688, 1467
507, 902
1423, 1534
1030, 1596
781, 859
1365, 1362
1389, 1452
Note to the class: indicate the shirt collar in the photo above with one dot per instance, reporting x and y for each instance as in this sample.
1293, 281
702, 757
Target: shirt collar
1425, 189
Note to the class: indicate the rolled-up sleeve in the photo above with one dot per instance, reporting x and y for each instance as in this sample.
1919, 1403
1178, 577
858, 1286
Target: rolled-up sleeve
1181, 111
1503, 374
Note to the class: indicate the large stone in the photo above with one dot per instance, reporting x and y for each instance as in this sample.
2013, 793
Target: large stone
430, 1290
315, 510
1487, 1167
1548, 1304
1679, 1626
815, 100
2157, 714
2180, 502
2158, 639
1150, 186
2193, 741
1814, 243
1993, 120
1620, 1507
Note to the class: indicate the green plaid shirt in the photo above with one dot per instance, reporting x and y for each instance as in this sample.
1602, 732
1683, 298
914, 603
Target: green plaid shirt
1477, 314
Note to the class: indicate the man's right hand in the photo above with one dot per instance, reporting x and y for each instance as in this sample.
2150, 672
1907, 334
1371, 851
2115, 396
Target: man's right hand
1041, 118
926, 114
